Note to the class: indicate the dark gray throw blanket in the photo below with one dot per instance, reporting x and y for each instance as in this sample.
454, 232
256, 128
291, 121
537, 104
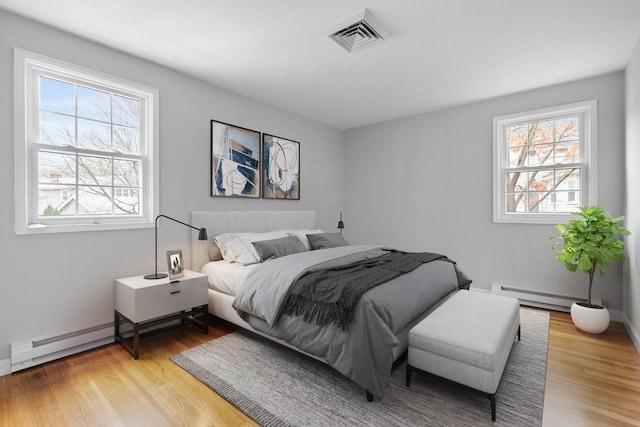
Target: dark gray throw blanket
330, 295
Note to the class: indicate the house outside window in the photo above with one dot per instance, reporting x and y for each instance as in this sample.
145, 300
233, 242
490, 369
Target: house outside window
86, 148
545, 163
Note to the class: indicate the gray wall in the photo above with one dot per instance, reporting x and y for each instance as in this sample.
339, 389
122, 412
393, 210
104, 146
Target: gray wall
631, 291
55, 282
425, 183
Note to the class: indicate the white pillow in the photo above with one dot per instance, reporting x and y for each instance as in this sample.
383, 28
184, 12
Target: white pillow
241, 249
302, 235
222, 239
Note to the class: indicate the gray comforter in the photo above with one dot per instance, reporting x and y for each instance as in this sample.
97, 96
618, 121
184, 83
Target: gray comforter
365, 352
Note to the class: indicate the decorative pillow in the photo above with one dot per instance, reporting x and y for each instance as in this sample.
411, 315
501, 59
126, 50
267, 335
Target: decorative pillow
302, 235
241, 250
276, 248
222, 240
214, 253
326, 240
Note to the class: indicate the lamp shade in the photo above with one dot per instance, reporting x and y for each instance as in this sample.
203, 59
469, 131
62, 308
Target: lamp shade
202, 235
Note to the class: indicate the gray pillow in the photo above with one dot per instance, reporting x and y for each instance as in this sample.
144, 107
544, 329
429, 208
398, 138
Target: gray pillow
326, 240
276, 248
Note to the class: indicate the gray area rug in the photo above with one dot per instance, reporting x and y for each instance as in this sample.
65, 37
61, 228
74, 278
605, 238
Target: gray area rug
277, 386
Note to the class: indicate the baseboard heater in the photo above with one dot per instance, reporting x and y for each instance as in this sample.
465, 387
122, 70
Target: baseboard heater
539, 299
31, 352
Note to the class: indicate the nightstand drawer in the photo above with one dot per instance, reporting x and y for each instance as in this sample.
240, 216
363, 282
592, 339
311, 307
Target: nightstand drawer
170, 298
140, 300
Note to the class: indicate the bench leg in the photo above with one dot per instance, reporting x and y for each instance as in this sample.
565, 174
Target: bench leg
492, 398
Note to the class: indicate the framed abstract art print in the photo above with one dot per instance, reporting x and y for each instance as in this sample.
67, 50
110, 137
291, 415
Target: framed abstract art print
281, 168
235, 161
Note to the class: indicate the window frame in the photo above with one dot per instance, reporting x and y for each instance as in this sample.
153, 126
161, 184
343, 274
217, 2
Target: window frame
28, 67
587, 110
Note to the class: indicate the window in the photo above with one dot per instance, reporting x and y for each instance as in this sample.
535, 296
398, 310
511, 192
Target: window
86, 145
545, 163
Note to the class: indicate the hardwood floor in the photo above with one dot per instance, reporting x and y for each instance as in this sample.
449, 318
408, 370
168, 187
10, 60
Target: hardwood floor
592, 380
107, 387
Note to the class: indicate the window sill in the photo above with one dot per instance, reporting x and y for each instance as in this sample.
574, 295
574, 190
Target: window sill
551, 219
75, 228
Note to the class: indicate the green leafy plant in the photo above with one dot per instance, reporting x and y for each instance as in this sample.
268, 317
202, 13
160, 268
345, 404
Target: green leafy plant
591, 242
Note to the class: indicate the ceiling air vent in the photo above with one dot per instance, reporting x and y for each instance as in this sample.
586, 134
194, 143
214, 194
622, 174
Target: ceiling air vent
357, 31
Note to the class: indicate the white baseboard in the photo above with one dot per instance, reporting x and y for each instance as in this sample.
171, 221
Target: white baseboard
5, 367
34, 351
616, 315
633, 333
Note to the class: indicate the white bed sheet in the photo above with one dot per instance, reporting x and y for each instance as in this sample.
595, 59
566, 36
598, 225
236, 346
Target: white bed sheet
226, 276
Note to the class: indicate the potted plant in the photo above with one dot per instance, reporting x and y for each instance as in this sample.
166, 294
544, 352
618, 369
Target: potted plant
590, 243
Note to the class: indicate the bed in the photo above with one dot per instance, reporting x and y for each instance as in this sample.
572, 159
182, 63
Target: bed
378, 335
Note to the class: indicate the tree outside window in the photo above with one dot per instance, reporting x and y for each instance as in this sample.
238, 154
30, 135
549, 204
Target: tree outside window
89, 147
543, 163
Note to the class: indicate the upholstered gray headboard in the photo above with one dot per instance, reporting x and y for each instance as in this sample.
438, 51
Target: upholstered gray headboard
218, 222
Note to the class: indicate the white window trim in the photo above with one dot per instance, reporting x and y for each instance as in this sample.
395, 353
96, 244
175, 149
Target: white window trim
588, 158
28, 62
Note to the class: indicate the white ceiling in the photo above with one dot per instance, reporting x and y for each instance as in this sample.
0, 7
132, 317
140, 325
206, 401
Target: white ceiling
439, 53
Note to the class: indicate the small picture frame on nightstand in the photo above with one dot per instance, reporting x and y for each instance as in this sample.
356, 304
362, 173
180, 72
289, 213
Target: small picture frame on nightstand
176, 266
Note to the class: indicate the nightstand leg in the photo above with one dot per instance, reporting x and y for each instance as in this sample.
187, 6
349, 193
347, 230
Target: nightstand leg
136, 341
205, 320
116, 325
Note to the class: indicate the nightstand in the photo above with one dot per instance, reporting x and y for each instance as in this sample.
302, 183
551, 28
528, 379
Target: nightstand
146, 303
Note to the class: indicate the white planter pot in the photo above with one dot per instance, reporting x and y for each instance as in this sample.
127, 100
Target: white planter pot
590, 319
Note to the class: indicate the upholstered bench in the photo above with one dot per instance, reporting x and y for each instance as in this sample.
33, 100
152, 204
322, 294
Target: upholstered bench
466, 340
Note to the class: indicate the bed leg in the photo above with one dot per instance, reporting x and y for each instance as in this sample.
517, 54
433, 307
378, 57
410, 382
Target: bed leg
408, 377
369, 396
